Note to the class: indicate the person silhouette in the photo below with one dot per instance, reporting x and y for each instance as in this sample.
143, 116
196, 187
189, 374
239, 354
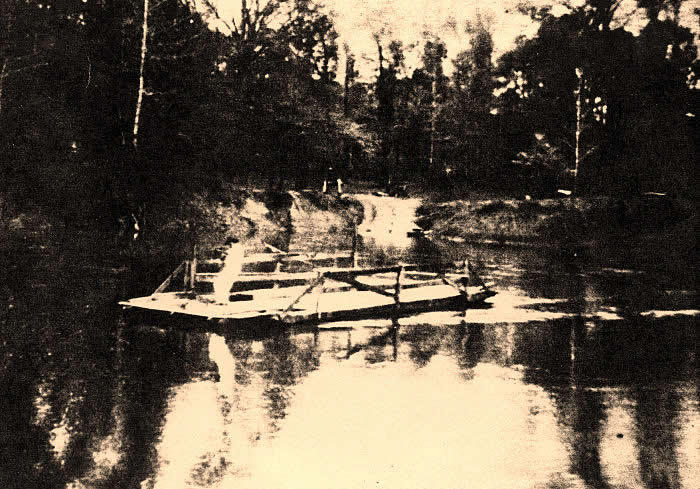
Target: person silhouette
232, 262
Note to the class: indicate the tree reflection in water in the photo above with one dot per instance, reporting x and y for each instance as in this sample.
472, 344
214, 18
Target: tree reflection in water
567, 398
282, 363
657, 428
582, 416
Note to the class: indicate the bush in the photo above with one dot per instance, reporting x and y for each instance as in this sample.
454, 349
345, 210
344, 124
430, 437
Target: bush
492, 208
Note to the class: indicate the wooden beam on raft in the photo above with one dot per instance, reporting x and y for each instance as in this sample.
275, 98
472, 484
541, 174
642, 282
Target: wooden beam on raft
366, 287
166, 283
349, 276
350, 273
291, 256
449, 282
314, 283
272, 248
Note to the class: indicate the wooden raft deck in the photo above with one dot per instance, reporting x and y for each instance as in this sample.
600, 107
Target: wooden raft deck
321, 295
272, 304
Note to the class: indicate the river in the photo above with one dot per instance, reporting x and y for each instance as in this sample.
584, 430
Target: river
581, 373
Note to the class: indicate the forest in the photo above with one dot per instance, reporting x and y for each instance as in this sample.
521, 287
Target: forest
109, 105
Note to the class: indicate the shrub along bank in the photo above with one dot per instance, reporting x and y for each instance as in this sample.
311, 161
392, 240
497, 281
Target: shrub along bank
558, 221
39, 249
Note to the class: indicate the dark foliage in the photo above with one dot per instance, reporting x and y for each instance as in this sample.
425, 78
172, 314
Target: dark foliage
259, 104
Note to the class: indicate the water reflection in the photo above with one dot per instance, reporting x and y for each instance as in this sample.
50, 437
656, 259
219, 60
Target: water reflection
215, 420
21, 436
656, 433
563, 382
581, 414
469, 345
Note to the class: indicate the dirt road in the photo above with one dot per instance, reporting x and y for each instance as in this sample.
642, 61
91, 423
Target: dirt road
387, 219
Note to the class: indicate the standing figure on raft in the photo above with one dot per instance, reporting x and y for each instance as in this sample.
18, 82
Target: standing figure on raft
232, 262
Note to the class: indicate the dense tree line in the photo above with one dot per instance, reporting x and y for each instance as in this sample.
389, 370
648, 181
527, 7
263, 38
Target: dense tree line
614, 109
584, 105
107, 105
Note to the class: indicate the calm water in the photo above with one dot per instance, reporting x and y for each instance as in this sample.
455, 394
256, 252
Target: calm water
582, 373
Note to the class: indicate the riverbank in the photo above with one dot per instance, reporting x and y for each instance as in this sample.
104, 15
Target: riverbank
653, 233
42, 256
557, 221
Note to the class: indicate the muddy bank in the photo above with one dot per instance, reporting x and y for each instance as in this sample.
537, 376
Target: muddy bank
253, 216
41, 256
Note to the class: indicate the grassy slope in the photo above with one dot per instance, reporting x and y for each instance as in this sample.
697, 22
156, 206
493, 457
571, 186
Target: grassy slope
557, 220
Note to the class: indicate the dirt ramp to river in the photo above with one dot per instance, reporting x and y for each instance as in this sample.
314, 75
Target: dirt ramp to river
387, 220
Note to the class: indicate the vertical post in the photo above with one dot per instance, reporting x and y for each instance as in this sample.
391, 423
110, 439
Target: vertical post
354, 242
349, 346
144, 50
186, 275
397, 289
319, 292
466, 280
433, 109
3, 75
193, 268
574, 344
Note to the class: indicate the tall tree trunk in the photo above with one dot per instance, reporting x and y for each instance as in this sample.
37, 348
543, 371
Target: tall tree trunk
577, 150
433, 107
3, 74
144, 51
349, 76
245, 20
346, 91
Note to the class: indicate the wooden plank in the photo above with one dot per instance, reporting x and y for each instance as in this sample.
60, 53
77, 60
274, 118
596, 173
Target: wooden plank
311, 287
167, 281
291, 257
327, 256
365, 287
267, 257
346, 273
449, 282
272, 248
284, 256
262, 276
270, 305
265, 281
357, 306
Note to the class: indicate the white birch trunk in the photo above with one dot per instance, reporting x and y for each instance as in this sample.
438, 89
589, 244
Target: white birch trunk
144, 51
577, 150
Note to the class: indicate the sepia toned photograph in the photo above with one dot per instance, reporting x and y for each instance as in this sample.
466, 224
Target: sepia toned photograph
349, 244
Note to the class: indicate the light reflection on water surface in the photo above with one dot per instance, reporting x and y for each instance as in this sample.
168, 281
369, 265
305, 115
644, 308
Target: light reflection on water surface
573, 378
